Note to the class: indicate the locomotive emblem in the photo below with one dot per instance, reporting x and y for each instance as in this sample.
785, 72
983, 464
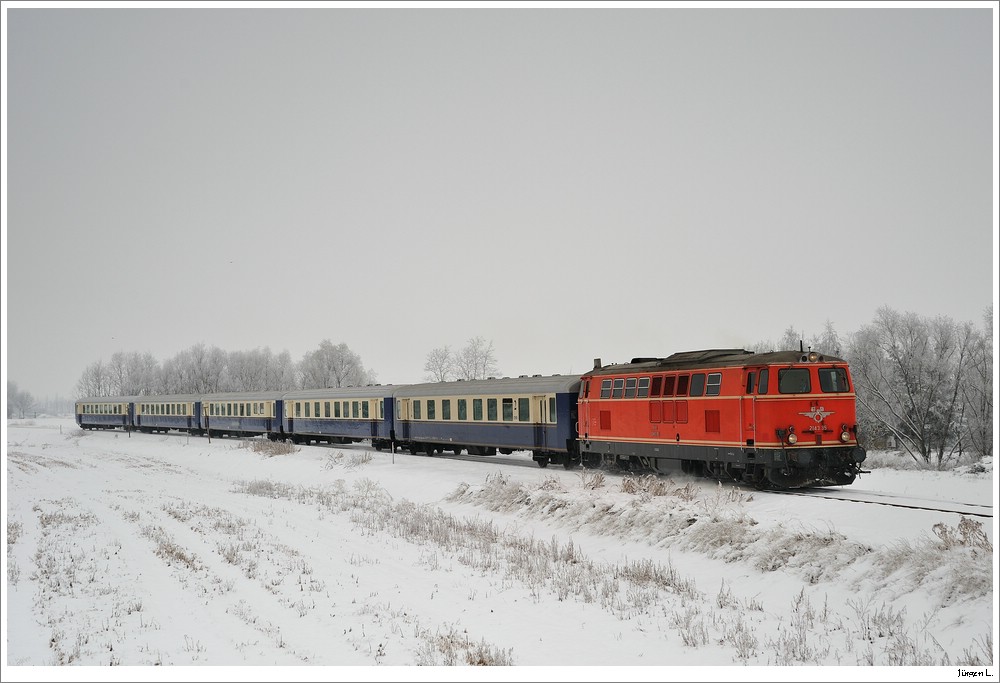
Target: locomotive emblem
817, 414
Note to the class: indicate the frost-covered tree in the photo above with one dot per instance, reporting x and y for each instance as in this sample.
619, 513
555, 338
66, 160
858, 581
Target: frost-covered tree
281, 373
827, 343
333, 366
908, 373
977, 389
95, 381
198, 370
475, 361
440, 365
19, 403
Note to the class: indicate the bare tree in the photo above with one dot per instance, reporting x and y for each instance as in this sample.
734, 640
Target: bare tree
95, 381
281, 373
827, 343
908, 373
977, 390
476, 360
333, 366
19, 403
440, 365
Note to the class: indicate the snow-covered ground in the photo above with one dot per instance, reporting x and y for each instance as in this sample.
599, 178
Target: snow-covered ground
143, 550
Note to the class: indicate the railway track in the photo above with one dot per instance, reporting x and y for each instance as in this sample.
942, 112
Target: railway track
895, 500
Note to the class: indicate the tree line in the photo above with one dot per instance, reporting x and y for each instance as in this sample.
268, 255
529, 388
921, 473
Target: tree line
209, 370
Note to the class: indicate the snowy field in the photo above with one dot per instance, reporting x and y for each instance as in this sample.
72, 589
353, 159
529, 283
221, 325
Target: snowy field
147, 550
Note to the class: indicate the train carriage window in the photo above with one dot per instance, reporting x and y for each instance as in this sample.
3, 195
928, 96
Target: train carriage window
552, 409
618, 388
243, 409
698, 384
714, 384
298, 409
762, 382
668, 385
308, 409
416, 409
326, 409
523, 410
477, 409
793, 381
833, 380
463, 409
347, 409
431, 409
508, 410
630, 385
355, 413
643, 387
682, 384
316, 409
446, 409
365, 413
606, 388
336, 408
491, 409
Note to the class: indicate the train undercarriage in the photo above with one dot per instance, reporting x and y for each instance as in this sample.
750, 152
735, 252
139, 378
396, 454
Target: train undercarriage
764, 469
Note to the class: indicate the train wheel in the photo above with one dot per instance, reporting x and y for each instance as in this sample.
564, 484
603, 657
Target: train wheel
543, 462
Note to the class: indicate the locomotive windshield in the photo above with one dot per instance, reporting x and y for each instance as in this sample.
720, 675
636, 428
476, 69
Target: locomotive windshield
794, 381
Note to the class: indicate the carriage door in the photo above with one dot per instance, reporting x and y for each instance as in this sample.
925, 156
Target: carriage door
748, 412
541, 420
403, 419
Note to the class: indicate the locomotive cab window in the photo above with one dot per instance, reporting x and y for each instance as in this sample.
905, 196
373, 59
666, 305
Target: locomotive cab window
606, 388
833, 380
618, 388
793, 381
630, 387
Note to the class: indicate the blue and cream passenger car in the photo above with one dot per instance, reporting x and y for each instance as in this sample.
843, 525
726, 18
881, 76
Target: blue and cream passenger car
162, 413
106, 412
340, 415
242, 414
537, 414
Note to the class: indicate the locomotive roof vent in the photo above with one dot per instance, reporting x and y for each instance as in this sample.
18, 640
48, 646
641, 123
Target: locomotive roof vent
597, 363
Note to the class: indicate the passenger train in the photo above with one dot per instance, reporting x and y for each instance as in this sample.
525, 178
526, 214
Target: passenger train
775, 420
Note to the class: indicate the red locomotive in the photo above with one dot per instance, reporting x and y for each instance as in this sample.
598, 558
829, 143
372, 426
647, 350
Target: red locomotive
784, 419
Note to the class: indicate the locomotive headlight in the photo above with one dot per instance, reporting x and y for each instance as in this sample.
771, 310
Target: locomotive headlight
813, 356
793, 439
845, 437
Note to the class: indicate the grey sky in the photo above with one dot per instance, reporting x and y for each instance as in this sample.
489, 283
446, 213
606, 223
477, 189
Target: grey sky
569, 183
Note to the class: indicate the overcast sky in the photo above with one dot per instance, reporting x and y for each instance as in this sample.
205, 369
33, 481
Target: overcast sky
568, 183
